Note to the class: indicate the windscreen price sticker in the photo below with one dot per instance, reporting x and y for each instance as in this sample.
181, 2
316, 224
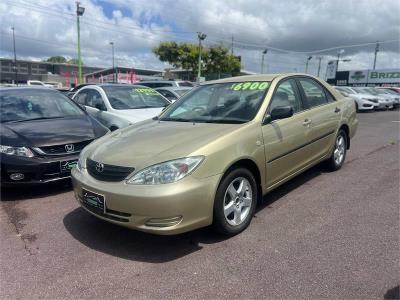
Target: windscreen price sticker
250, 85
148, 92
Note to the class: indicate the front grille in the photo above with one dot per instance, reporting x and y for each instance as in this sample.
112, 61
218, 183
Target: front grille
62, 149
107, 172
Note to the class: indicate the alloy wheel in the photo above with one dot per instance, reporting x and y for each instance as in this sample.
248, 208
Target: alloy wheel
237, 201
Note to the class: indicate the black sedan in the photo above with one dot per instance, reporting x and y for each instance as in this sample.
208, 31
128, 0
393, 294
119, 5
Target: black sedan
42, 133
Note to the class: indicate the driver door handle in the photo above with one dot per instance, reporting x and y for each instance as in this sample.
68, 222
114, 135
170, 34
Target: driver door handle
307, 122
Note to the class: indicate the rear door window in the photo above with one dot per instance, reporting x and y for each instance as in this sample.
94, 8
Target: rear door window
313, 92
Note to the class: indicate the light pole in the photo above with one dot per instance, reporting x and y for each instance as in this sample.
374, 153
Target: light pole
201, 36
79, 12
376, 53
341, 51
262, 60
319, 64
113, 65
307, 61
15, 58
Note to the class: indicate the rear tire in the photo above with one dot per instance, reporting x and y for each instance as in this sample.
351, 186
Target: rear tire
235, 202
335, 162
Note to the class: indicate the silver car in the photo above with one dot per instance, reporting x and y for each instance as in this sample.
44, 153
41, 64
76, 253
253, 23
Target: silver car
384, 102
173, 93
363, 101
119, 105
389, 93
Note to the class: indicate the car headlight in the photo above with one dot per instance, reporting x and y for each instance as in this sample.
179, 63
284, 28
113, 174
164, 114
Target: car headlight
17, 151
166, 172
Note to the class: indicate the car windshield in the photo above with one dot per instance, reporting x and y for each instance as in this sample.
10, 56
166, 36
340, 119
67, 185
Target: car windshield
219, 103
185, 83
181, 92
345, 89
363, 90
131, 97
370, 91
391, 92
19, 105
381, 92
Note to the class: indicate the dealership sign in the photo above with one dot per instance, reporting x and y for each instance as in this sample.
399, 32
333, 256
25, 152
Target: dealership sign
331, 69
386, 76
374, 76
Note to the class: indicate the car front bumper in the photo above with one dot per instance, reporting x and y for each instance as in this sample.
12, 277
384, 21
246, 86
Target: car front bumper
160, 209
35, 170
385, 105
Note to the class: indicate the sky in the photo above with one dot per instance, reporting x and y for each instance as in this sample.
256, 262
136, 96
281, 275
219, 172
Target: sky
291, 30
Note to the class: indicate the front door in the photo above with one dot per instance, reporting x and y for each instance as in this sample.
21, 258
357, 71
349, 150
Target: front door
286, 140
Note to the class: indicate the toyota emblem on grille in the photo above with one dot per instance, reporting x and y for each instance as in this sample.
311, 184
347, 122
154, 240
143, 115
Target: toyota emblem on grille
69, 148
99, 167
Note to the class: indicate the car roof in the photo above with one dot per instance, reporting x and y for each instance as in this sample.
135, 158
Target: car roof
148, 81
173, 88
28, 87
257, 77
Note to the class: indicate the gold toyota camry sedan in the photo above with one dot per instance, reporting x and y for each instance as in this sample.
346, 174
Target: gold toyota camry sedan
212, 155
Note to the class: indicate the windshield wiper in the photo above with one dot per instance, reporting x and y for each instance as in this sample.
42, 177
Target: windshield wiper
225, 121
33, 119
145, 106
176, 120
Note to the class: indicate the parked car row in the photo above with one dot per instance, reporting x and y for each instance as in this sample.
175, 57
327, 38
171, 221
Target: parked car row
205, 159
370, 98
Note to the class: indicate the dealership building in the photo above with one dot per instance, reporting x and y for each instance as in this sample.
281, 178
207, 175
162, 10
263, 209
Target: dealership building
67, 74
382, 77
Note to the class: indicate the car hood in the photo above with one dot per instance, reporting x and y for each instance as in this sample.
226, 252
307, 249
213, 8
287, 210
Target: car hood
47, 132
151, 142
365, 96
140, 114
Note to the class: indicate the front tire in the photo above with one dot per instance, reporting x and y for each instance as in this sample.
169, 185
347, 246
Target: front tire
335, 162
235, 202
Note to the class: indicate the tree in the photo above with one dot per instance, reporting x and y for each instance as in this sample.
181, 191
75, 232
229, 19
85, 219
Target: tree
220, 61
216, 59
57, 59
73, 61
62, 60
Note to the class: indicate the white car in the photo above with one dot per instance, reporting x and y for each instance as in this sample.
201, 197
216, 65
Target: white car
120, 105
363, 101
389, 93
385, 102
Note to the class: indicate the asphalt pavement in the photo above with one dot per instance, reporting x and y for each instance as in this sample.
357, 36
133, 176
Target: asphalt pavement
322, 235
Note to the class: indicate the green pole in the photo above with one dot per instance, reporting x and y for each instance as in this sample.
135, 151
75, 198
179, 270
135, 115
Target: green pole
79, 51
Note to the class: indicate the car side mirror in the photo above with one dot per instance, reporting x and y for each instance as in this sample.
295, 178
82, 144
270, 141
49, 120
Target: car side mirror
280, 112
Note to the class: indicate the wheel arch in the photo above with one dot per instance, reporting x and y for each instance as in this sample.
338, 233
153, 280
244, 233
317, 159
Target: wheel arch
346, 129
250, 165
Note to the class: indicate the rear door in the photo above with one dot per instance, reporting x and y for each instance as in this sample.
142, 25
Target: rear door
286, 140
325, 116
